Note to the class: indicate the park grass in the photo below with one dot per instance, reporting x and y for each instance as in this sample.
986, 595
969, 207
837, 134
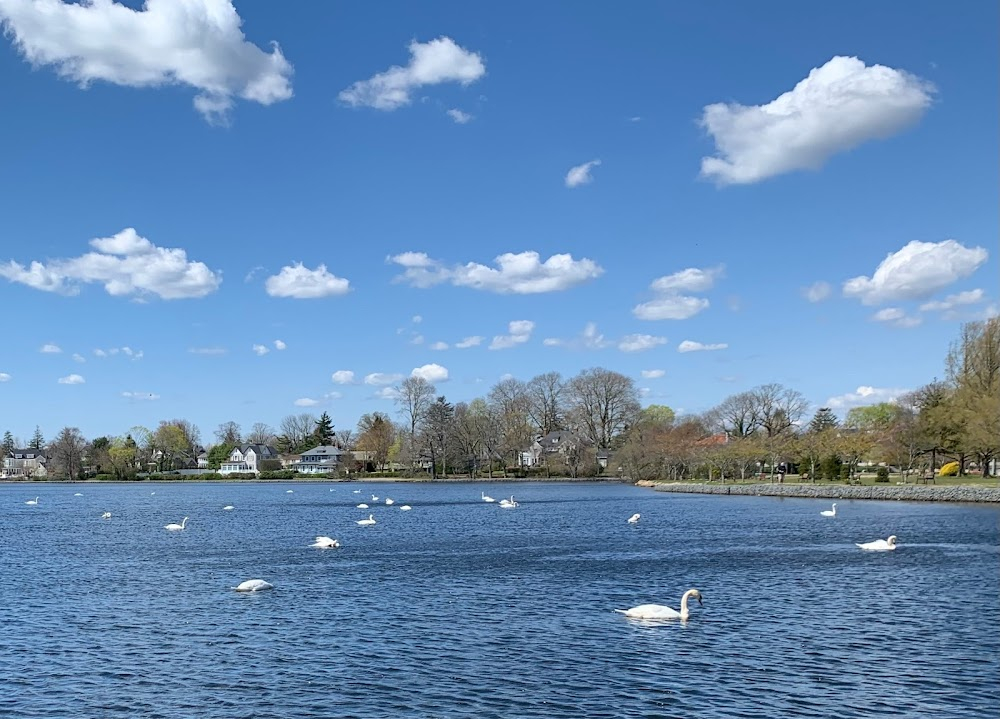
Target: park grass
970, 480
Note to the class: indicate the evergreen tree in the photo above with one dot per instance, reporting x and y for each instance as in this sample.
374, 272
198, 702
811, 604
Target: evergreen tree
324, 434
8, 443
823, 419
37, 440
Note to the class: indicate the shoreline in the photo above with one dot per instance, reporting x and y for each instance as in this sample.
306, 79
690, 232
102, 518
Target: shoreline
904, 493
317, 480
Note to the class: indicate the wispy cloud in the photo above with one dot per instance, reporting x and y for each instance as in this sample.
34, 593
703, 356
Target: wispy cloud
77, 357
468, 342
208, 351
580, 175
519, 332
458, 116
71, 379
689, 346
50, 349
141, 396
343, 376
864, 395
382, 378
817, 291
438, 346
652, 373
640, 342
590, 338
125, 351
260, 350
896, 317
970, 297
4, 377
279, 345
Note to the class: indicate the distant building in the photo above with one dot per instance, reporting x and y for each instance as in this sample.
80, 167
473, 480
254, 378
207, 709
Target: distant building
247, 458
319, 460
24, 464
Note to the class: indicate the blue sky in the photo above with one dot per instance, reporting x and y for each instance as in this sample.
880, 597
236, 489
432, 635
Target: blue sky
702, 196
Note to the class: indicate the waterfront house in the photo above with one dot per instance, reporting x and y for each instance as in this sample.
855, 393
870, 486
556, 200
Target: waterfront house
24, 464
247, 458
319, 460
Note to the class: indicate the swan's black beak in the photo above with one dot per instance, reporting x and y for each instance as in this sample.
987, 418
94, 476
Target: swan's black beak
700, 603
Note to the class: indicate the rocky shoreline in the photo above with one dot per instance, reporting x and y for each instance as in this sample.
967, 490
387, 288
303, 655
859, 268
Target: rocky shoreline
907, 493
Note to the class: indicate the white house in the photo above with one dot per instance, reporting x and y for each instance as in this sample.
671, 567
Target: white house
246, 458
23, 464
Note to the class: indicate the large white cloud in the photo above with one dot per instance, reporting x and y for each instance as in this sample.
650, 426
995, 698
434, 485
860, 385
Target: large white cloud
839, 106
197, 43
126, 264
431, 372
519, 333
580, 175
301, 283
671, 304
690, 346
863, 396
640, 343
431, 63
516, 273
916, 271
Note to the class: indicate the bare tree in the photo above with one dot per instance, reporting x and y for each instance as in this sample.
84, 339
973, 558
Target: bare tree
261, 433
602, 405
413, 398
545, 400
376, 436
229, 433
778, 408
66, 452
509, 402
736, 415
295, 430
191, 434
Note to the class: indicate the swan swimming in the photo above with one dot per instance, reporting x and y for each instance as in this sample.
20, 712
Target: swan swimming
289, 491
78, 494
879, 545
325, 543
253, 585
634, 519
389, 502
357, 491
106, 515
508, 503
367, 522
659, 611
32, 501
405, 508
374, 498
228, 507
830, 512
362, 506
487, 498
176, 527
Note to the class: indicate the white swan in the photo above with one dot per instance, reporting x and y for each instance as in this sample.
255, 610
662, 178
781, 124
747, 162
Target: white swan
879, 545
405, 508
176, 527
325, 543
508, 503
228, 507
362, 506
374, 498
367, 522
289, 491
634, 519
389, 502
487, 498
32, 501
78, 494
830, 512
253, 585
659, 611
106, 515
357, 491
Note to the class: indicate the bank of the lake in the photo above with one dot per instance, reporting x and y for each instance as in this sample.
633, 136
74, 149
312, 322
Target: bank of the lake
905, 492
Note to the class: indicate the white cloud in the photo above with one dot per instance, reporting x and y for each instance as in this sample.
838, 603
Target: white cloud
439, 346
417, 340
301, 283
640, 343
416, 319
839, 106
670, 307
458, 116
473, 341
431, 372
970, 297
197, 43
72, 379
817, 291
113, 351
261, 350
279, 345
916, 271
553, 342
50, 349
580, 175
387, 393
691, 279
519, 333
4, 377
431, 63
209, 351
306, 402
516, 273
77, 357
343, 376
126, 264
897, 317
380, 378
590, 338
689, 346
141, 396
652, 373
864, 395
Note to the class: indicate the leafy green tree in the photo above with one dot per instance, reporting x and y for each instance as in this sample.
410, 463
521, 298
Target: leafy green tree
323, 434
219, 454
376, 435
876, 418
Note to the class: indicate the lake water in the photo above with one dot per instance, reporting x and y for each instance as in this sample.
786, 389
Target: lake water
461, 609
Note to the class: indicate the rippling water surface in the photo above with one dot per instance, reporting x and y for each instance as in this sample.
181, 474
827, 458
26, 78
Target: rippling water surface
460, 608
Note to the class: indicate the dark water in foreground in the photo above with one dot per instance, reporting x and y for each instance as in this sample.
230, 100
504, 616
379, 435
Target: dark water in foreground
459, 608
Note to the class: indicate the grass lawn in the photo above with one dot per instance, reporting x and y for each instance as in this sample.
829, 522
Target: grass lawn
869, 479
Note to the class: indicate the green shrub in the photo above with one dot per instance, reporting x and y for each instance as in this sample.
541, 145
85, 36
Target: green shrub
882, 475
830, 467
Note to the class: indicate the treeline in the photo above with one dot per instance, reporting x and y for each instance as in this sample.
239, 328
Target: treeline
600, 421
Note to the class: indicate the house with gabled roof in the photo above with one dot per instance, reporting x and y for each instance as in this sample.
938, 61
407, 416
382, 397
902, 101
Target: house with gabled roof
25, 463
319, 460
247, 458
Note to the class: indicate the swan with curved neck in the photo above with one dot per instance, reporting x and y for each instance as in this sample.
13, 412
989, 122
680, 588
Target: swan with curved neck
832, 512
659, 611
32, 501
508, 503
367, 522
879, 545
176, 527
486, 497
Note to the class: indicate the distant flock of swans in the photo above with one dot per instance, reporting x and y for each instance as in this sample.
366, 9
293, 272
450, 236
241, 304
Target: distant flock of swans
643, 611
